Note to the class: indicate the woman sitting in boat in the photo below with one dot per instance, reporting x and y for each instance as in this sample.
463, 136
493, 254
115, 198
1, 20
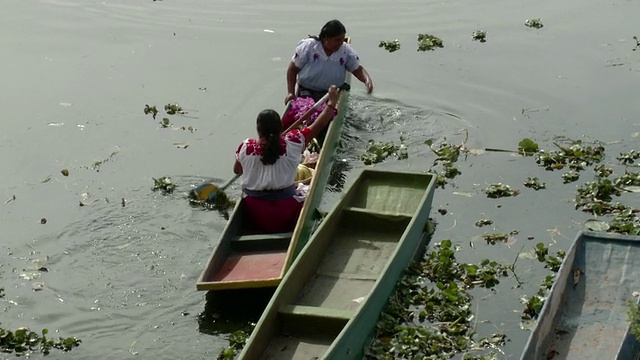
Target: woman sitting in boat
323, 60
268, 166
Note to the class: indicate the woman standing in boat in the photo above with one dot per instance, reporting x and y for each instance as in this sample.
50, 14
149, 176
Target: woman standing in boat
321, 61
268, 166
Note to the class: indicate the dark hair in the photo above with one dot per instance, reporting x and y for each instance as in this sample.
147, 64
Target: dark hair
331, 29
269, 127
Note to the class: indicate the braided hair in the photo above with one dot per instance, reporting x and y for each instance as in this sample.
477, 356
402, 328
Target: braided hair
269, 127
331, 29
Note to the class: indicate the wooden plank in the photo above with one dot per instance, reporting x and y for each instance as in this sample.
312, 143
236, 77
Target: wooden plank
258, 237
378, 213
316, 312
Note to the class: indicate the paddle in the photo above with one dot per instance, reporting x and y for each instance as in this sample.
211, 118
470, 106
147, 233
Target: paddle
209, 192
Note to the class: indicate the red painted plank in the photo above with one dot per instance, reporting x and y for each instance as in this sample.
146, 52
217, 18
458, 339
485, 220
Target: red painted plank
258, 265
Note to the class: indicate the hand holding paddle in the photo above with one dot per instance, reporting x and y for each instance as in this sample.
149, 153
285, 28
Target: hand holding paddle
319, 103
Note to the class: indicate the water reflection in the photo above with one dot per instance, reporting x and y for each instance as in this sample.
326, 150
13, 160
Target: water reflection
229, 310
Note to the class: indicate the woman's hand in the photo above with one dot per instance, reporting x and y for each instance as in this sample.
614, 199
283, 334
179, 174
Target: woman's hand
333, 96
369, 85
288, 98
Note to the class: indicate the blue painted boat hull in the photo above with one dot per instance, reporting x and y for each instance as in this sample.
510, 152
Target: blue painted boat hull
585, 315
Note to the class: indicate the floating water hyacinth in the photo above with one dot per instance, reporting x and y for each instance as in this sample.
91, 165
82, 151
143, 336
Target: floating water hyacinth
534, 23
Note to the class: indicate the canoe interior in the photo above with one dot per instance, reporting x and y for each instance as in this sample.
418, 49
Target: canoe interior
341, 266
588, 319
246, 259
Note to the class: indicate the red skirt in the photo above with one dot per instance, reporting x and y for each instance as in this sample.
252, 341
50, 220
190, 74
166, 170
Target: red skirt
272, 216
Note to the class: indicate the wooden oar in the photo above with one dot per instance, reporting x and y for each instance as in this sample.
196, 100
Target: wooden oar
208, 192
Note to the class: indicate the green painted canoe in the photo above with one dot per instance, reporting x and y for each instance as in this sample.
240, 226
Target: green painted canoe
241, 261
328, 304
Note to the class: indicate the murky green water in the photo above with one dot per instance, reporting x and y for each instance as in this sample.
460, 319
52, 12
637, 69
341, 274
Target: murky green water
76, 76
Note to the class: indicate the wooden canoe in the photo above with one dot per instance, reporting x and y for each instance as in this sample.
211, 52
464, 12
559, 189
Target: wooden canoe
328, 304
241, 260
585, 315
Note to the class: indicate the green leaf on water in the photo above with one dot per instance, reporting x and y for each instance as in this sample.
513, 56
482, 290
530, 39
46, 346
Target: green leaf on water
527, 146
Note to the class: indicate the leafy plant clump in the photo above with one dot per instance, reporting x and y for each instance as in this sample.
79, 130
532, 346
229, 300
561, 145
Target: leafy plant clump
428, 42
430, 315
533, 23
150, 110
628, 158
378, 152
533, 304
534, 183
237, 341
633, 317
493, 239
170, 109
163, 184
575, 156
570, 176
173, 109
499, 190
447, 155
23, 342
483, 222
479, 35
390, 46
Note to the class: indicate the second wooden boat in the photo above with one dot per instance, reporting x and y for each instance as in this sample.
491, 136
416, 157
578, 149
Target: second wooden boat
585, 315
328, 304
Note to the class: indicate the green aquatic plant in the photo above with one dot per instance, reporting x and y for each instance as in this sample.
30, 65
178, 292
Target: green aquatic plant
429, 315
627, 158
237, 341
499, 190
24, 342
492, 239
163, 184
602, 171
479, 35
533, 304
533, 23
483, 222
570, 176
527, 147
428, 42
150, 110
380, 151
575, 156
630, 178
633, 317
390, 46
173, 109
534, 183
